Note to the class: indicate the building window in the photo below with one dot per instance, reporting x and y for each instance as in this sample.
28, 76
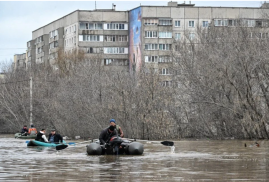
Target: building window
116, 50
164, 71
53, 33
90, 26
205, 23
165, 34
39, 50
177, 23
116, 26
233, 23
191, 23
165, 59
151, 59
39, 39
165, 22
90, 38
221, 22
191, 36
151, 46
178, 36
151, 34
258, 23
165, 46
93, 50
116, 38
116, 62
151, 21
166, 83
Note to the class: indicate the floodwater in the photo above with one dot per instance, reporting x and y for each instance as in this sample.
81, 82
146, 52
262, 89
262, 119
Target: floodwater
199, 160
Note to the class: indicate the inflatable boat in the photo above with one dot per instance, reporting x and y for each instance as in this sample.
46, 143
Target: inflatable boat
18, 135
115, 146
44, 144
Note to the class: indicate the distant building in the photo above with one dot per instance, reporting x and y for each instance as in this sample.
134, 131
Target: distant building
128, 39
19, 61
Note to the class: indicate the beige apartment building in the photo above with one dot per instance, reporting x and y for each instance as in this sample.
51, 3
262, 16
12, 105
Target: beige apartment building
126, 40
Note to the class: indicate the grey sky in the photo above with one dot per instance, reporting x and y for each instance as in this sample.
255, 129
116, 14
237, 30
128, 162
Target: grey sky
19, 19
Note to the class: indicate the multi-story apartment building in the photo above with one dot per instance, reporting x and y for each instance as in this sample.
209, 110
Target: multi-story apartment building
99, 34
155, 30
19, 61
143, 35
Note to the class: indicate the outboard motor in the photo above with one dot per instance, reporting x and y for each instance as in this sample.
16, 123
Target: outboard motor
113, 146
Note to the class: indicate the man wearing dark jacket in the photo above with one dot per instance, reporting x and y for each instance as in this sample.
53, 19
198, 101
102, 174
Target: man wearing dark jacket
55, 137
41, 136
24, 131
106, 134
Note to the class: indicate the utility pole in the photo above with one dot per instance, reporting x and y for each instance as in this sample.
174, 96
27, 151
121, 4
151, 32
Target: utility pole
31, 99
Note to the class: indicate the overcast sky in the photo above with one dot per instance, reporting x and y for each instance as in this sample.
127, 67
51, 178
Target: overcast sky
19, 19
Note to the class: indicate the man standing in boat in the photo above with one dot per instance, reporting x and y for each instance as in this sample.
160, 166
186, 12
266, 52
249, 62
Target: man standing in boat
41, 136
55, 137
106, 134
117, 127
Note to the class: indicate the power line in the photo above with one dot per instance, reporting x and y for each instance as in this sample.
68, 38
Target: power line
12, 48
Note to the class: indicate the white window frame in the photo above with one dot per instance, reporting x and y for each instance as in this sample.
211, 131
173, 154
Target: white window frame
177, 23
220, 22
165, 34
151, 21
165, 47
151, 47
115, 50
191, 36
165, 22
205, 24
177, 37
151, 34
191, 24
151, 59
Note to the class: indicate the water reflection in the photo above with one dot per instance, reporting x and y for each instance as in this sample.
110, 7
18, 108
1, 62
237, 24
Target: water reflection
227, 160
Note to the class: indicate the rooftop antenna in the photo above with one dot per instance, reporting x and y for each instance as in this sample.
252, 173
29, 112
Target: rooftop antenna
95, 4
113, 6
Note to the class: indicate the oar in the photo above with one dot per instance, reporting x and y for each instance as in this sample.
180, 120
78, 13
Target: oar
167, 143
70, 143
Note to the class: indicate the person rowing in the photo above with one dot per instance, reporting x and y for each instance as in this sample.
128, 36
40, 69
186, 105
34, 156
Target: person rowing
55, 137
41, 136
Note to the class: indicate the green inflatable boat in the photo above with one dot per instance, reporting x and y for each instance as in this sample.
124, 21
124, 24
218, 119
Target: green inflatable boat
18, 135
58, 146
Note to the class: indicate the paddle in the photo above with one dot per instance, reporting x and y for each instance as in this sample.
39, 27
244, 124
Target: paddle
61, 147
70, 143
167, 143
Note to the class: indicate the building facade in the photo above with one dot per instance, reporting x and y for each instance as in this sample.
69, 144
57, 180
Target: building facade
126, 40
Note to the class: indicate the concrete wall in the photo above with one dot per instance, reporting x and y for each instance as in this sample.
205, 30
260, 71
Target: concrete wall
62, 22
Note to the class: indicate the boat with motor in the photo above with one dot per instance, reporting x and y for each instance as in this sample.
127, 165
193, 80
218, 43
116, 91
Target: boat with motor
116, 145
44, 144
18, 135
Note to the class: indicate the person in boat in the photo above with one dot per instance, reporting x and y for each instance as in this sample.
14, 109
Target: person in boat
41, 136
55, 137
32, 130
24, 131
117, 127
106, 135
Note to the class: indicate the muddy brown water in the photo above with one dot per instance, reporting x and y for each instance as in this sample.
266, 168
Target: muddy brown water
200, 160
